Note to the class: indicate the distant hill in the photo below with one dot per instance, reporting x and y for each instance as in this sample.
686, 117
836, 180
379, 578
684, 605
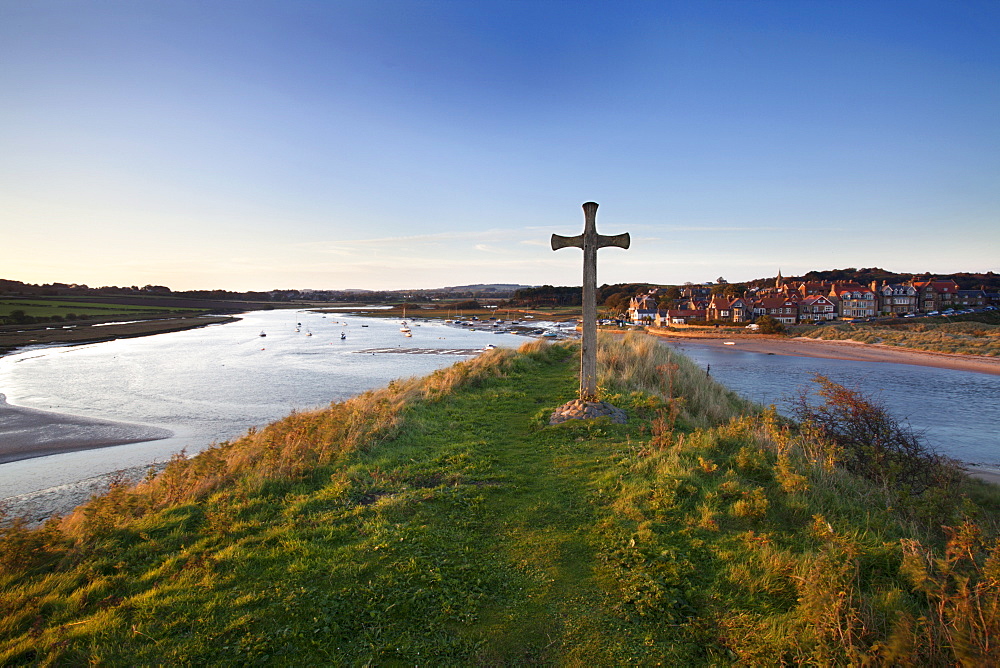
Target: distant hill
966, 280
484, 287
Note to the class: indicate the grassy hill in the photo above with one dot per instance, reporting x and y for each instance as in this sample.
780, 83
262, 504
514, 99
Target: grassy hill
441, 521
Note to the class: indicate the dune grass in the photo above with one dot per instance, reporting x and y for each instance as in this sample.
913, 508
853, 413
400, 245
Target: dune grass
977, 334
441, 521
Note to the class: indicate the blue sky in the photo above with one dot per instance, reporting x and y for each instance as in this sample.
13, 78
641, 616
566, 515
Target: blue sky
252, 145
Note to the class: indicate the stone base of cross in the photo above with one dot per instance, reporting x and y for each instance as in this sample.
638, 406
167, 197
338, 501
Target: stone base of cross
590, 242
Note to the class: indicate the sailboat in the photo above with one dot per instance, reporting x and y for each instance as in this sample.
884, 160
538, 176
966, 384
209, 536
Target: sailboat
262, 333
404, 329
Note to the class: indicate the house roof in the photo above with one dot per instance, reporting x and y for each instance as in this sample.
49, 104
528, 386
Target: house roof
774, 302
849, 286
814, 299
938, 285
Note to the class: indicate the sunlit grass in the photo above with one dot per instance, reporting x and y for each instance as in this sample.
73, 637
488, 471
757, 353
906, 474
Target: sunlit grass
441, 521
961, 335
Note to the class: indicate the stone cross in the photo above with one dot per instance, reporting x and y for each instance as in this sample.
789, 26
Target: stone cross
589, 241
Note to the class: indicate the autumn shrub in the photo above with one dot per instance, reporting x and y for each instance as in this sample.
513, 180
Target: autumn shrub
962, 591
871, 443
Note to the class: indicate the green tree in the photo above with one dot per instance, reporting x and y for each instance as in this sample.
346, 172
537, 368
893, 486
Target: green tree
768, 325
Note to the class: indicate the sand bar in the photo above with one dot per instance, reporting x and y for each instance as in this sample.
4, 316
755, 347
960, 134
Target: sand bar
28, 432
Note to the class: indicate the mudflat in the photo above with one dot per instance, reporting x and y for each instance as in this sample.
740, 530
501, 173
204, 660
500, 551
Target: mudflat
28, 432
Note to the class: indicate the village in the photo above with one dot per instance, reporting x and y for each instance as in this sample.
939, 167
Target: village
806, 302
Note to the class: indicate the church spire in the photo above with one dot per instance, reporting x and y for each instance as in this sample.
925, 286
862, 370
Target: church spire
778, 282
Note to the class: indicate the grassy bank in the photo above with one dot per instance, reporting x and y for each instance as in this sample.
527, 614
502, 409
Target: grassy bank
441, 521
974, 334
12, 337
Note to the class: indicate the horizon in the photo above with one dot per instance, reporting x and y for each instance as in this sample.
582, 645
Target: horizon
394, 144
517, 286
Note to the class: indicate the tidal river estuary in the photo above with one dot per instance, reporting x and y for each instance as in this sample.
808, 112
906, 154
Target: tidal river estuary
212, 384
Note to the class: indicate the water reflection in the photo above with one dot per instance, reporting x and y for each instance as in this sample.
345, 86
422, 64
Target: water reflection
959, 411
212, 384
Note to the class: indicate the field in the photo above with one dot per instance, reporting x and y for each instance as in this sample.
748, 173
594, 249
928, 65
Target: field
441, 521
46, 308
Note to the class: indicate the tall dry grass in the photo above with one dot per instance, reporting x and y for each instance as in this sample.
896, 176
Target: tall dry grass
638, 363
290, 448
960, 338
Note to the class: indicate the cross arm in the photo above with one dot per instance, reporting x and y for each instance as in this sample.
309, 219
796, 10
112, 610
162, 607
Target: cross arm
619, 240
559, 241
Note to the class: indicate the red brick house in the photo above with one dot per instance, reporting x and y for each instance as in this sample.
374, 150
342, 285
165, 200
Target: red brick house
817, 308
853, 300
934, 294
728, 309
783, 309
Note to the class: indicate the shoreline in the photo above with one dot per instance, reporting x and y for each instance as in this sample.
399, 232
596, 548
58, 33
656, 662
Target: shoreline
851, 351
842, 350
26, 433
12, 342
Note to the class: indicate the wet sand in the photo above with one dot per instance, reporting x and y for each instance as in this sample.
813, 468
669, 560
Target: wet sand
843, 350
36, 507
27, 433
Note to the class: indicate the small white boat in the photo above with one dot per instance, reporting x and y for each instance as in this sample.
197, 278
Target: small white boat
309, 333
343, 336
263, 334
728, 343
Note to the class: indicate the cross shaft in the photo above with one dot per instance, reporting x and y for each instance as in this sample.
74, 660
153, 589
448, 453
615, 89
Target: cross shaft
590, 241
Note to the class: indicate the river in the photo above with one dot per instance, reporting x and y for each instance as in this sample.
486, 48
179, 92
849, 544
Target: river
212, 384
958, 412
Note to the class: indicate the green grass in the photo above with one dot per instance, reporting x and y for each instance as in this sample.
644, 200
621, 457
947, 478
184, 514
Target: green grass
442, 522
45, 308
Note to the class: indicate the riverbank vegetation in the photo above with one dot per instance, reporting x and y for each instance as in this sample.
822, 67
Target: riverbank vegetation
442, 521
970, 334
17, 336
31, 311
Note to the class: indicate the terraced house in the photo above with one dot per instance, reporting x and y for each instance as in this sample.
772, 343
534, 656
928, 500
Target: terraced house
729, 309
853, 300
783, 309
896, 298
642, 310
935, 294
817, 308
